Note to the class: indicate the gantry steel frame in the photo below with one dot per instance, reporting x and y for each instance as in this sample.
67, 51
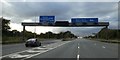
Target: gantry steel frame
99, 24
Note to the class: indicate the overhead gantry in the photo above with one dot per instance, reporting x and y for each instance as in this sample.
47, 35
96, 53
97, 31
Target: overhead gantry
99, 24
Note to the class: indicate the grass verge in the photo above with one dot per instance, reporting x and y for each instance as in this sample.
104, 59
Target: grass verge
107, 41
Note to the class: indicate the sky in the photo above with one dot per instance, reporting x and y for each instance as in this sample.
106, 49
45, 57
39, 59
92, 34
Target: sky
29, 11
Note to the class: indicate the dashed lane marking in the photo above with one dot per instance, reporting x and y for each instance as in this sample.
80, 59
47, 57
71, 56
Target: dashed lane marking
78, 56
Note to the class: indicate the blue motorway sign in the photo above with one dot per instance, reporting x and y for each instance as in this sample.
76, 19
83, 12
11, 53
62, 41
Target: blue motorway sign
46, 19
86, 20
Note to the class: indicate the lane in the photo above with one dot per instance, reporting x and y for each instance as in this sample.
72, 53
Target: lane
96, 49
12, 48
77, 49
68, 50
82, 48
33, 52
8, 49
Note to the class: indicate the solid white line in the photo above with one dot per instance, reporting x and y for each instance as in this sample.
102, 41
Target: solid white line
78, 56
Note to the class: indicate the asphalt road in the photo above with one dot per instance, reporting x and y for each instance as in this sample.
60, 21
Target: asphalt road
12, 48
84, 48
79, 48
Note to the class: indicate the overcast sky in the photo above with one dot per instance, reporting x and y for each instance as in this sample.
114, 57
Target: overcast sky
29, 11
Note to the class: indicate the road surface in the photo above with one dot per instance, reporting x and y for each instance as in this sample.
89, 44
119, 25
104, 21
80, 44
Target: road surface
12, 48
76, 49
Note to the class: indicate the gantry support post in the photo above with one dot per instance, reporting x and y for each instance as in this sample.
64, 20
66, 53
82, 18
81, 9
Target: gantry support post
23, 33
106, 32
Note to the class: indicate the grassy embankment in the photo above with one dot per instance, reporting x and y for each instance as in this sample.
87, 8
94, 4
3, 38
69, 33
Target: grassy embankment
15, 40
107, 41
108, 35
11, 40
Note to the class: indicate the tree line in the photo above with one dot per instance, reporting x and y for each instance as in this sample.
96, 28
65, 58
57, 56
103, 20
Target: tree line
107, 34
6, 33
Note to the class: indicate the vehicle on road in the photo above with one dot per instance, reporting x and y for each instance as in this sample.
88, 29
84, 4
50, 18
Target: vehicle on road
33, 42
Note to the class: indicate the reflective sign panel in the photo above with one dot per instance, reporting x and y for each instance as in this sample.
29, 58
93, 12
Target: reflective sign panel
82, 20
49, 19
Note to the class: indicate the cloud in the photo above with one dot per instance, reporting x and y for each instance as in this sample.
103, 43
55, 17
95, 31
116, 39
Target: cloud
16, 26
18, 12
62, 10
28, 20
62, 0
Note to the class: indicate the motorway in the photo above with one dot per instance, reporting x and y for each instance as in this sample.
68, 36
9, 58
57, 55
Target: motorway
78, 48
12, 48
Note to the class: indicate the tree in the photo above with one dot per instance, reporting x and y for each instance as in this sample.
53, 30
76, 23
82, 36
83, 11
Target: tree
67, 34
49, 34
60, 35
108, 34
15, 33
5, 24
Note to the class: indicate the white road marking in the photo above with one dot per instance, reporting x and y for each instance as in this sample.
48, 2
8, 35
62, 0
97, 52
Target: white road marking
39, 48
16, 53
18, 56
45, 46
37, 52
78, 52
103, 47
44, 51
32, 51
95, 44
12, 54
78, 56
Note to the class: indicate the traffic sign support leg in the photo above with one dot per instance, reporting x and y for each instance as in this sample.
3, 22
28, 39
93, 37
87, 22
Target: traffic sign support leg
23, 33
106, 32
